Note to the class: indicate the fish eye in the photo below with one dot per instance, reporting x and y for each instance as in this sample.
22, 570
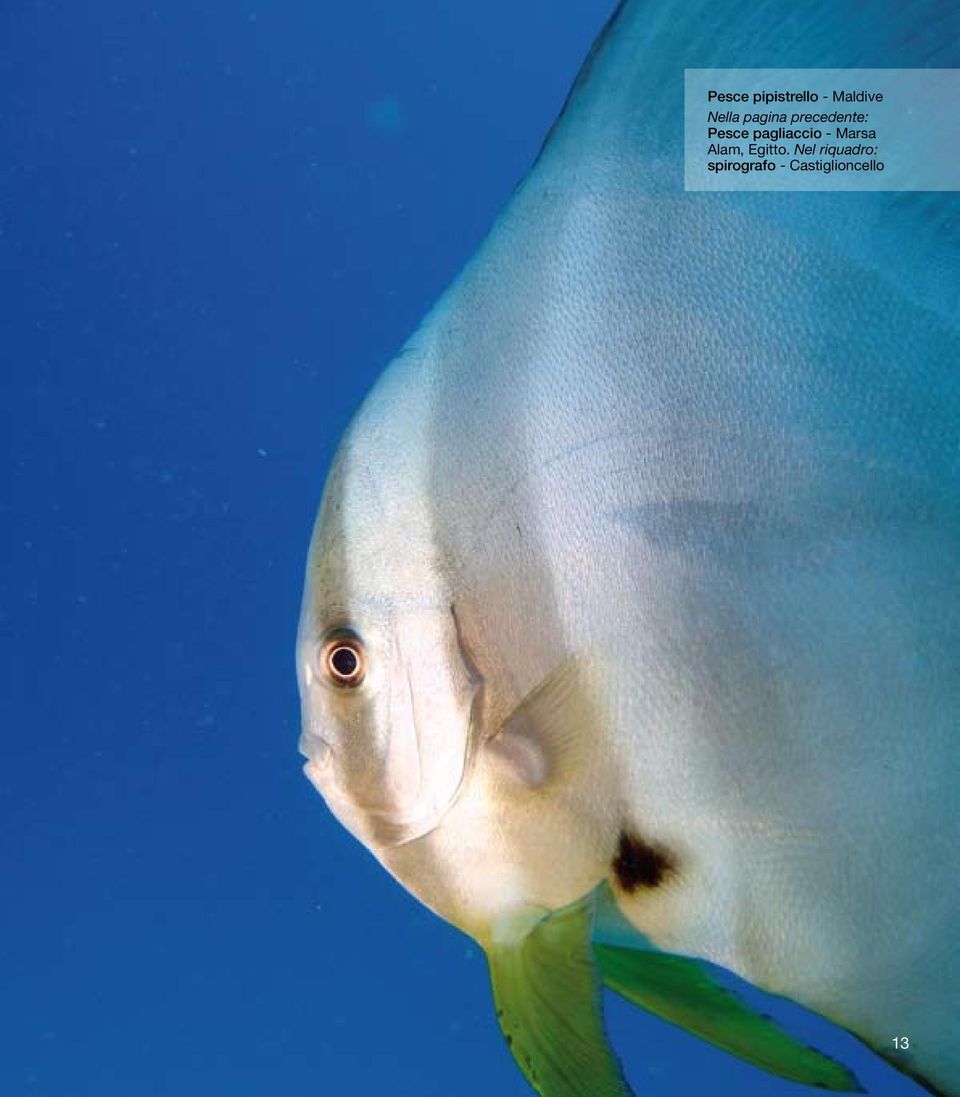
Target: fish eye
342, 660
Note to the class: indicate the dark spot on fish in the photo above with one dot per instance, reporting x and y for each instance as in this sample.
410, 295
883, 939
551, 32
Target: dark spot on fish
638, 864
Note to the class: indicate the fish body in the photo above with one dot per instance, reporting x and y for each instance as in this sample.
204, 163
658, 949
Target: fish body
648, 542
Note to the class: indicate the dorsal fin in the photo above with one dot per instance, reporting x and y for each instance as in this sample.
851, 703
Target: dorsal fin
631, 82
627, 105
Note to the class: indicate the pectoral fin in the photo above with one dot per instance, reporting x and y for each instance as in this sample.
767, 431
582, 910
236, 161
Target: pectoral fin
548, 999
685, 992
550, 736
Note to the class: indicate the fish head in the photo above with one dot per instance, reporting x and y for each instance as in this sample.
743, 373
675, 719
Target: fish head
389, 695
463, 758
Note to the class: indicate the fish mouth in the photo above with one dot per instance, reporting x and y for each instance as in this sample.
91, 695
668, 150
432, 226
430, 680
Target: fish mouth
315, 749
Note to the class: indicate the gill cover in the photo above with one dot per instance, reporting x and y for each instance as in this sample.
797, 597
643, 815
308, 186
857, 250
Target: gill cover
432, 723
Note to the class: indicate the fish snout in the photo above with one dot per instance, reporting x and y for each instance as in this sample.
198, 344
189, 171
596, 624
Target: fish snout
315, 749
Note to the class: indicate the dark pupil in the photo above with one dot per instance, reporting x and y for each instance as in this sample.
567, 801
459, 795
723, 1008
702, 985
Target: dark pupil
345, 662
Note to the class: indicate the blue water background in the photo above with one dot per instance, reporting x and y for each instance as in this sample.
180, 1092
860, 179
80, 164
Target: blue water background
217, 223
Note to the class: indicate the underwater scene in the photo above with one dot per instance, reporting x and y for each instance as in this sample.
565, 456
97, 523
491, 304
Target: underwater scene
481, 517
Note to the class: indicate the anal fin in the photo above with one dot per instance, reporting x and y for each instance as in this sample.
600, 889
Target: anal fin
683, 991
549, 1004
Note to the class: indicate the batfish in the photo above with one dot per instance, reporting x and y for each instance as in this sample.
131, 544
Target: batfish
629, 641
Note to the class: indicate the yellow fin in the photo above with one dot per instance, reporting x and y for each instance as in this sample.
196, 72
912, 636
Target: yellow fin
549, 1005
687, 992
